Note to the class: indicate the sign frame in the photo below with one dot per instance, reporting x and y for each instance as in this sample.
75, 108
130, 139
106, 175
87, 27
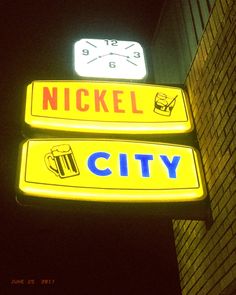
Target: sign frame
150, 122
101, 192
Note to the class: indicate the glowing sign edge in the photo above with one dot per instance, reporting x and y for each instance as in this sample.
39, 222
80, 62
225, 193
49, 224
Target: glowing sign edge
105, 195
33, 122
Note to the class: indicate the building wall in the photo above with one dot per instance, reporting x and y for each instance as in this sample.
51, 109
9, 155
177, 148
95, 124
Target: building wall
176, 38
207, 257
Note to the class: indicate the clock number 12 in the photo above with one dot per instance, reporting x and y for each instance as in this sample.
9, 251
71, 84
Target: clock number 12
111, 42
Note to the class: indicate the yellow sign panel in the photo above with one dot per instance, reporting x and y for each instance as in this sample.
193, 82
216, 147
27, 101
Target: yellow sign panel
110, 171
102, 107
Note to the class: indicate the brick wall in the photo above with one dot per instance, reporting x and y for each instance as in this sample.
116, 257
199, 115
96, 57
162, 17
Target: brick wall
207, 257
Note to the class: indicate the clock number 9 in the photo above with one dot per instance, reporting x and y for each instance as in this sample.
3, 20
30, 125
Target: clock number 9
111, 42
137, 54
85, 52
112, 64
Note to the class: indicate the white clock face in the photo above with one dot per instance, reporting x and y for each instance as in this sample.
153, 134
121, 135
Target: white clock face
103, 58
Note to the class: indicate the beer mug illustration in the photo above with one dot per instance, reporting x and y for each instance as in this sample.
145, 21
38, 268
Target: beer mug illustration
61, 161
163, 104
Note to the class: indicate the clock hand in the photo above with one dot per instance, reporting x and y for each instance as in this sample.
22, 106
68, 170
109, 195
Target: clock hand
119, 54
111, 53
104, 55
100, 56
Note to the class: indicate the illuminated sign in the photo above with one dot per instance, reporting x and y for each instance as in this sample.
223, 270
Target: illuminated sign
102, 107
103, 58
110, 171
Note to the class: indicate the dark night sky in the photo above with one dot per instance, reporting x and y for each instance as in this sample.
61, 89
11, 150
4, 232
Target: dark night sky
95, 253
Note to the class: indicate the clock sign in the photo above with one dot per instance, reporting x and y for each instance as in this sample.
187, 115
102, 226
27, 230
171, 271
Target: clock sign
104, 58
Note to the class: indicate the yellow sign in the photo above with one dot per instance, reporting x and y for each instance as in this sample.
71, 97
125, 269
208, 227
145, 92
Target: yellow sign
111, 171
102, 107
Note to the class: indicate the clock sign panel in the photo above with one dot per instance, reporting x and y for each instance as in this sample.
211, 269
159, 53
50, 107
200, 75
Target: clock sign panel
103, 58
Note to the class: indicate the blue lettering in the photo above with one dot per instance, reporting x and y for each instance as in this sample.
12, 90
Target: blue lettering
144, 163
92, 164
123, 165
171, 166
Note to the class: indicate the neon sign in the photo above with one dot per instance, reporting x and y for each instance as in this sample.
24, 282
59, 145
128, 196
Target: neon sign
102, 107
109, 170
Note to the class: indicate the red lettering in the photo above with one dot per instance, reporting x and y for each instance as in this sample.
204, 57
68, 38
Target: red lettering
117, 101
99, 100
67, 99
79, 106
133, 103
49, 98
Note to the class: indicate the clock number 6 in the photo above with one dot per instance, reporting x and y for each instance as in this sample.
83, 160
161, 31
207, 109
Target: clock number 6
112, 64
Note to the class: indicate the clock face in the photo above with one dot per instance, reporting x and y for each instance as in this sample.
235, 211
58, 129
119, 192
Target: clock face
103, 58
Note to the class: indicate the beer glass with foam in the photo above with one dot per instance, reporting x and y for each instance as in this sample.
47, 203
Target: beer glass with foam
61, 161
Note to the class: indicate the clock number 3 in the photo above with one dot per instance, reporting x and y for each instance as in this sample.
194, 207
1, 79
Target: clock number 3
137, 54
